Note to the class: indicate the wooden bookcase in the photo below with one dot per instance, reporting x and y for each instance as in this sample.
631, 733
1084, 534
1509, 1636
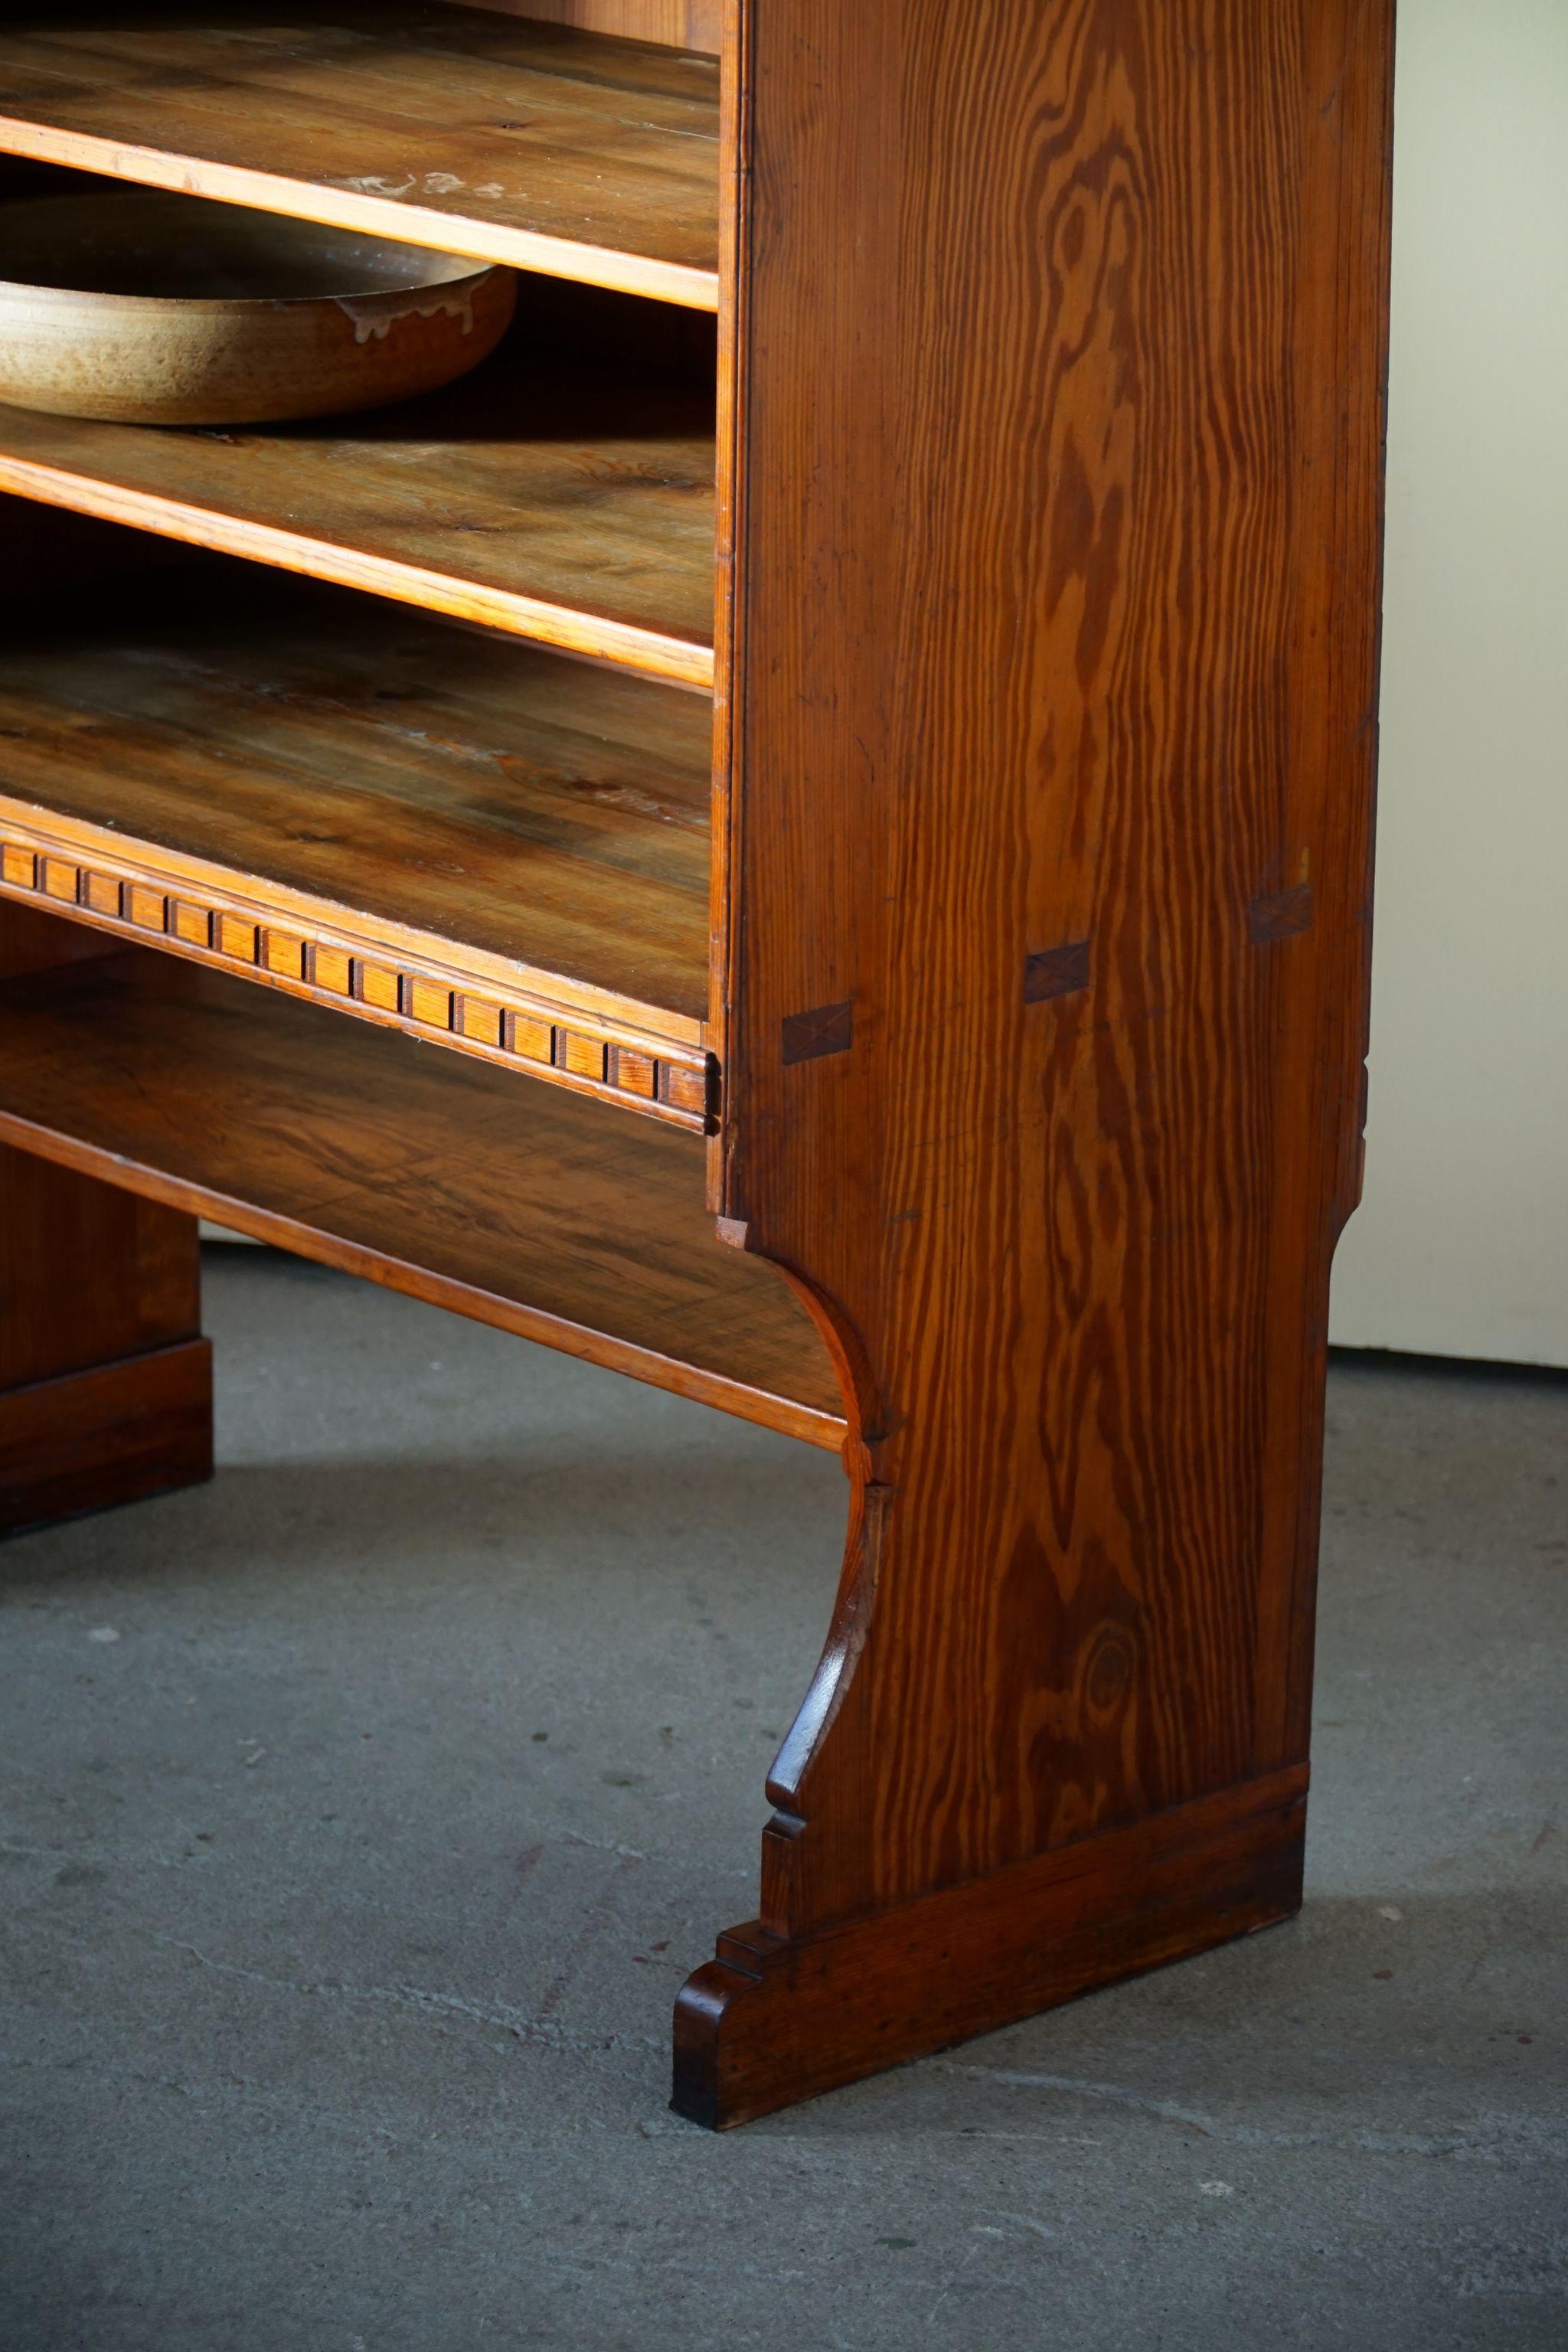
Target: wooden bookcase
850, 895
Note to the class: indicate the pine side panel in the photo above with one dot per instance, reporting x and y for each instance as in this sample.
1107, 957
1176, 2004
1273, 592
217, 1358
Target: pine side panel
1057, 533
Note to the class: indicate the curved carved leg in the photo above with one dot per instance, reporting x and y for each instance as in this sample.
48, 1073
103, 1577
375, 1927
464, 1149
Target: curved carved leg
974, 1816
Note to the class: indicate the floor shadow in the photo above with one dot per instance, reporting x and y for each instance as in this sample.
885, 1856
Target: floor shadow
1423, 2027
502, 1516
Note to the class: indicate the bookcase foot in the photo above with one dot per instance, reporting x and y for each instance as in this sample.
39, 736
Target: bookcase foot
105, 1379
114, 1434
774, 2019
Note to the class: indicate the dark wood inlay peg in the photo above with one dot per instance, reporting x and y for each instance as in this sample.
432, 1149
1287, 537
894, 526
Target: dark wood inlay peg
1056, 971
1280, 915
808, 1037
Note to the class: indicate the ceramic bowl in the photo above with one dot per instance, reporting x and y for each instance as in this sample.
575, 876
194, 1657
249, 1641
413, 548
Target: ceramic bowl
149, 309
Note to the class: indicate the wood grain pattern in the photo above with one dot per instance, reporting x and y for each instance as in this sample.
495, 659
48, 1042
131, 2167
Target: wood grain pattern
299, 784
682, 24
105, 1381
546, 148
515, 1203
1060, 338
572, 507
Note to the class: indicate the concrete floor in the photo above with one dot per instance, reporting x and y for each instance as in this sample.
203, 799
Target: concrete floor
364, 1810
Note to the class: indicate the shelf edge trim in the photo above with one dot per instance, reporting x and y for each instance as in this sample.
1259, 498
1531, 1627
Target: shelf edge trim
327, 964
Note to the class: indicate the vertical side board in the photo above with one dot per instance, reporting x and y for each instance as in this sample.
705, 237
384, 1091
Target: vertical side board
105, 1379
1059, 336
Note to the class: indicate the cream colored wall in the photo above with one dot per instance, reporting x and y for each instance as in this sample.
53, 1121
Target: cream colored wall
1461, 1245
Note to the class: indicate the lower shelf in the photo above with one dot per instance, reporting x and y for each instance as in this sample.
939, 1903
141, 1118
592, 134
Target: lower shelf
501, 1198
423, 825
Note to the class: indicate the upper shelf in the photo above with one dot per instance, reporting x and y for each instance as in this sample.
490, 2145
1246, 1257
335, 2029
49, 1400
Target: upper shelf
575, 507
551, 150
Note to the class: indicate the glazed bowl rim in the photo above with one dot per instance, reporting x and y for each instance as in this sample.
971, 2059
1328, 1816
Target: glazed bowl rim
464, 272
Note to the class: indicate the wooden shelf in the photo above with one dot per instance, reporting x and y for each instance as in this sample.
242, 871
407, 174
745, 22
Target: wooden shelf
571, 506
424, 823
520, 1206
554, 151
